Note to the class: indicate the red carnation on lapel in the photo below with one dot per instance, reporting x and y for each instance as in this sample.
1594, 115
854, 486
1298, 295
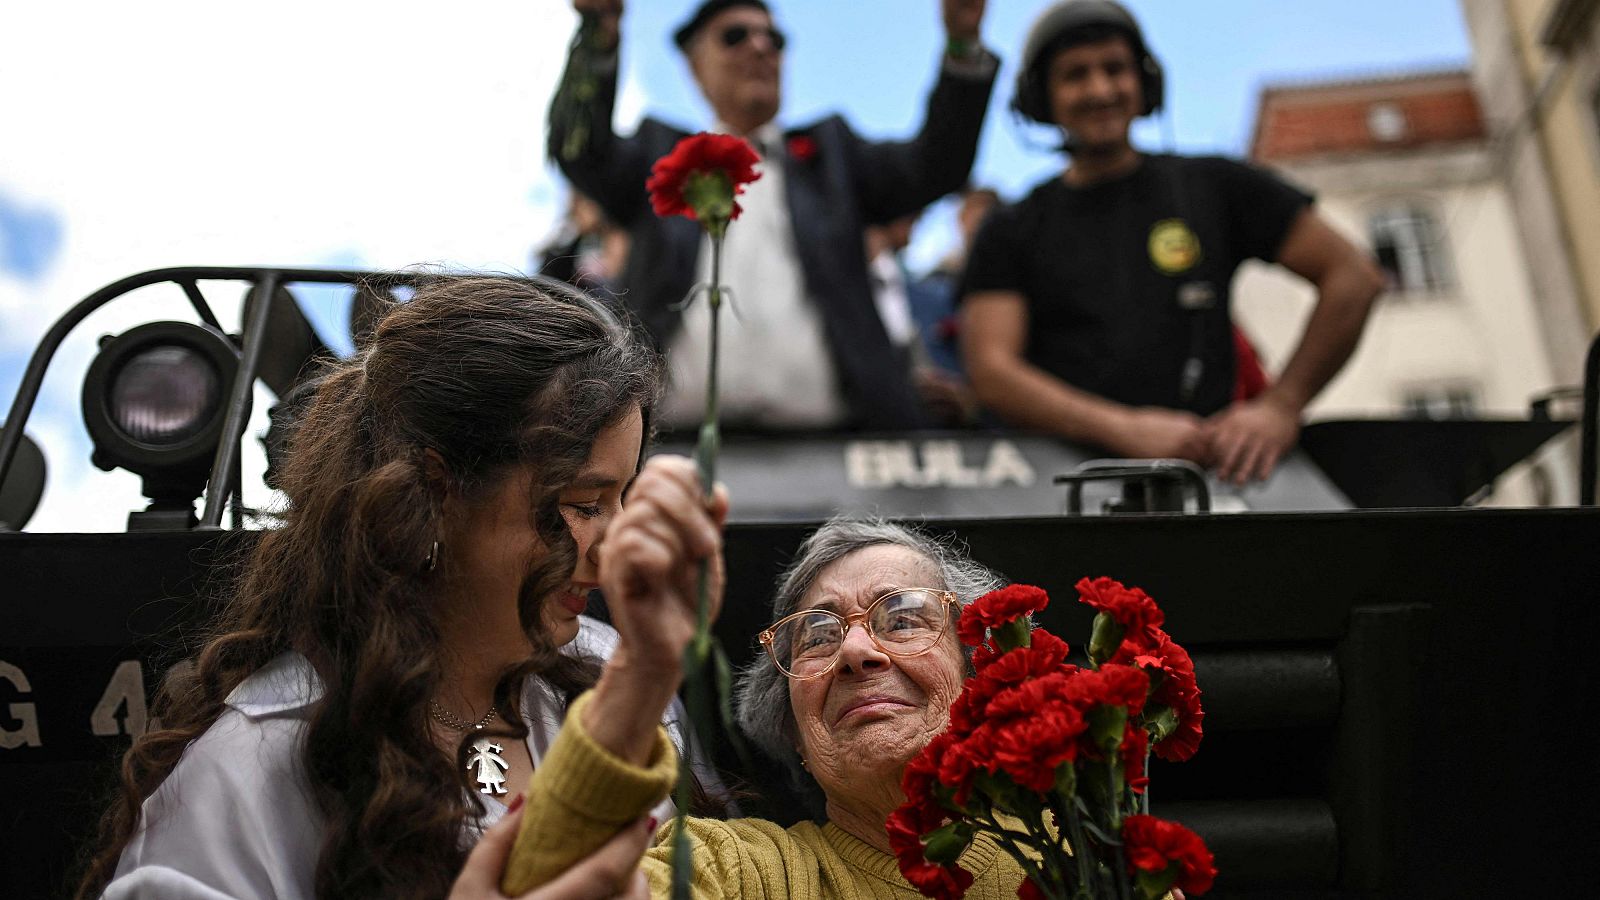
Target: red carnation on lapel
701, 176
802, 148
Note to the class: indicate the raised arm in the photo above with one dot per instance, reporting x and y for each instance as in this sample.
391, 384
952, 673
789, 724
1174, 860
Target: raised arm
1247, 439
994, 332
611, 762
581, 140
897, 178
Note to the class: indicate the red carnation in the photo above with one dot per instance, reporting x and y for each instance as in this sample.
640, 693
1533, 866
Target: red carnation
905, 829
1134, 745
922, 772
997, 672
999, 608
1172, 677
1030, 747
1110, 685
700, 178
1170, 852
1131, 607
802, 148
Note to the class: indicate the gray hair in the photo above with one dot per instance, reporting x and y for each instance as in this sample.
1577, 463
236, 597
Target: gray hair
764, 712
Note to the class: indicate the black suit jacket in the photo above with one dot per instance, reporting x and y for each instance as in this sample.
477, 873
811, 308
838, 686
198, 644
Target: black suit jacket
837, 184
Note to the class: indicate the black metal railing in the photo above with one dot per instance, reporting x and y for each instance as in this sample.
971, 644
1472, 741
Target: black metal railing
264, 283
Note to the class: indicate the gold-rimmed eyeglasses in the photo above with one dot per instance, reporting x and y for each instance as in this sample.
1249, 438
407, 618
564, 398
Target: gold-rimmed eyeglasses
902, 623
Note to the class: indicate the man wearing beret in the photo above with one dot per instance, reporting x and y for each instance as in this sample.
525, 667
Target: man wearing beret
807, 349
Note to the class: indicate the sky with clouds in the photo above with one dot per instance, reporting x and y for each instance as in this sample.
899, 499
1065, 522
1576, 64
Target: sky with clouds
385, 135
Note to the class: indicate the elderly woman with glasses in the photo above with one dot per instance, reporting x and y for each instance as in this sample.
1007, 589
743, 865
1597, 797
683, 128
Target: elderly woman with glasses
862, 665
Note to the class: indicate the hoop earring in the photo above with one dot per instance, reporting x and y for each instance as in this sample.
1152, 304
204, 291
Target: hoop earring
431, 561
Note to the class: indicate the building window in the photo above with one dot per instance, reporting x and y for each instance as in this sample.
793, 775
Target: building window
1440, 401
1410, 247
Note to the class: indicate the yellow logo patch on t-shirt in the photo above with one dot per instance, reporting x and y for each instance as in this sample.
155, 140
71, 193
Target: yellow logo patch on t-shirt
1174, 247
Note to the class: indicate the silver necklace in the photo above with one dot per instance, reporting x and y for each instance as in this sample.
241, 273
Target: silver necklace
485, 755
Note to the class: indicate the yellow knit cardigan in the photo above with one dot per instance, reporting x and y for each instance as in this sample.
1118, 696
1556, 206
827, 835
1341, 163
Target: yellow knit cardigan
581, 795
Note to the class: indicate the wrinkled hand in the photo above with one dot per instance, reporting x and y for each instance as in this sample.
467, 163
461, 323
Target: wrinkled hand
609, 14
1248, 438
963, 19
1152, 432
611, 871
650, 561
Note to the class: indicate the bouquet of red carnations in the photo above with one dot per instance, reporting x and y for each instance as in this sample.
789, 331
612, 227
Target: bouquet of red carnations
1049, 758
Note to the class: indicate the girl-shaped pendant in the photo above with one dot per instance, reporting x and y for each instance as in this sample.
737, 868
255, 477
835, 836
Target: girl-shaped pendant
491, 766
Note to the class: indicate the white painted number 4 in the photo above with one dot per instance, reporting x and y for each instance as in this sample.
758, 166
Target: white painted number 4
121, 709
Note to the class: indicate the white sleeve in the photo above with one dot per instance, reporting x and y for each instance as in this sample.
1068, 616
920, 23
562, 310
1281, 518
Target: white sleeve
160, 883
234, 819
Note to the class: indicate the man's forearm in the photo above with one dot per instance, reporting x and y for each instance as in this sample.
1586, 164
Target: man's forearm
1025, 395
1344, 298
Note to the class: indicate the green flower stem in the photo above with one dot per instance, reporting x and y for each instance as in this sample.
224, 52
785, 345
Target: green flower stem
1010, 843
1050, 852
698, 652
1144, 800
1119, 858
1081, 851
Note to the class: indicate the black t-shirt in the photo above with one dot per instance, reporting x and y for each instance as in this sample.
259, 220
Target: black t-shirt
1127, 279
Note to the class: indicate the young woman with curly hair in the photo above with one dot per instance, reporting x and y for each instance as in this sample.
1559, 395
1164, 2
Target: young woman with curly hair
448, 489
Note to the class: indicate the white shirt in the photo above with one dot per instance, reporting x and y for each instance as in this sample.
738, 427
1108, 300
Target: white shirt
776, 368
235, 818
894, 302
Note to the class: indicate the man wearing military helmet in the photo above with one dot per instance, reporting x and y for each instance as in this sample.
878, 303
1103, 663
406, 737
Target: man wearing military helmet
1097, 307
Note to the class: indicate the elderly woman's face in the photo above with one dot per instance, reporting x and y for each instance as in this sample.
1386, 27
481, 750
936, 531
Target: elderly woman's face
868, 716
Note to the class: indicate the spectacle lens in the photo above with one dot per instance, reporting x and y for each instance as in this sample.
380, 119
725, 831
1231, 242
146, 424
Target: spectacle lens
902, 623
734, 35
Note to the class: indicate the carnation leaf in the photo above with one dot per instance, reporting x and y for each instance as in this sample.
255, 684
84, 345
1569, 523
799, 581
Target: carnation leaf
1098, 833
1066, 780
1105, 639
1107, 724
1155, 884
945, 845
710, 194
999, 788
1012, 634
1161, 724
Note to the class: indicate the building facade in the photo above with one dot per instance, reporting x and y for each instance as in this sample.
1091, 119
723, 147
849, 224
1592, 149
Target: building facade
1406, 167
1536, 64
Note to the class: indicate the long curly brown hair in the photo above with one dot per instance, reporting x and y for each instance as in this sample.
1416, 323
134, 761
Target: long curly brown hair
489, 373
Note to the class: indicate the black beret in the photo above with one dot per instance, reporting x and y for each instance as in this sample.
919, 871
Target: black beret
707, 10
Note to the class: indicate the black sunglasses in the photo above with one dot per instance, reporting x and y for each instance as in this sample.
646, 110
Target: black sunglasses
734, 35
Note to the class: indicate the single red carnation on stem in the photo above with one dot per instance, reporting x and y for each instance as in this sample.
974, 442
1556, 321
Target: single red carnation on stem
1131, 607
1171, 673
1164, 855
1124, 614
700, 178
